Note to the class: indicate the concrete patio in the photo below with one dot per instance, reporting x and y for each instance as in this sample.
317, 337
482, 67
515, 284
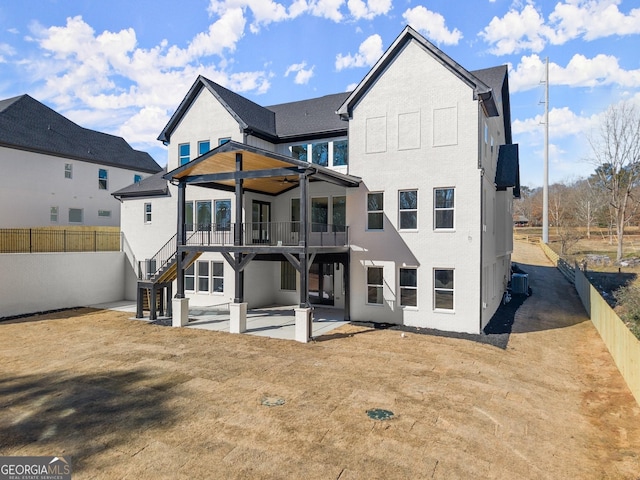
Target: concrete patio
273, 322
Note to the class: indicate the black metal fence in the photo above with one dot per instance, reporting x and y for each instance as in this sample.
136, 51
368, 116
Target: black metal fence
268, 233
45, 240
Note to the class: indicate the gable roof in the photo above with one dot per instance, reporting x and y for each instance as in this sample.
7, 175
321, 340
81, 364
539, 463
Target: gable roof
481, 90
277, 123
498, 79
155, 185
248, 114
27, 124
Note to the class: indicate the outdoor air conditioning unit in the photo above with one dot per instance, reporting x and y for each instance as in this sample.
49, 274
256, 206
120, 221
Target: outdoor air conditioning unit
520, 284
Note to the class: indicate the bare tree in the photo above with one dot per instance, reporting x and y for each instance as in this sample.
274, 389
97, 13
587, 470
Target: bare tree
588, 203
562, 216
616, 155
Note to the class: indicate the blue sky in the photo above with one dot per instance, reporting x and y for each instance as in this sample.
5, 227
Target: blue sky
122, 67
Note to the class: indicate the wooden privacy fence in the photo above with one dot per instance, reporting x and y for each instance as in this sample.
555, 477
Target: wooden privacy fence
565, 267
623, 346
52, 239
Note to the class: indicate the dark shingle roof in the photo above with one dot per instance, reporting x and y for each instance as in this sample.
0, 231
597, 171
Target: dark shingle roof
497, 78
254, 116
508, 169
147, 187
30, 125
308, 117
277, 123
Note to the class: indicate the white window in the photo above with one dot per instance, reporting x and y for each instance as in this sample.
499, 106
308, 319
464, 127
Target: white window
203, 147
320, 153
409, 287
299, 152
217, 274
443, 289
53, 214
147, 213
222, 212
190, 278
75, 215
104, 213
188, 216
375, 285
340, 153
375, 210
68, 170
103, 179
184, 153
222, 141
443, 208
408, 210
203, 277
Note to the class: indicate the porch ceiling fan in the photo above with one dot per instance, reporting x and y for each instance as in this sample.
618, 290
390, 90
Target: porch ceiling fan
286, 180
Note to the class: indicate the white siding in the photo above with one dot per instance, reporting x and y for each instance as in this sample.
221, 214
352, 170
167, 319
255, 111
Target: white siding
37, 182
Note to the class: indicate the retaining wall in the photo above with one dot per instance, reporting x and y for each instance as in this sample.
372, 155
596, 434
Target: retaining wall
36, 282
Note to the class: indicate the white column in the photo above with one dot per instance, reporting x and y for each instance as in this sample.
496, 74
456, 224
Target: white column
180, 312
238, 317
304, 319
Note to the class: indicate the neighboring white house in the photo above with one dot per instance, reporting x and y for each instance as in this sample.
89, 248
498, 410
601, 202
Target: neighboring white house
396, 197
61, 173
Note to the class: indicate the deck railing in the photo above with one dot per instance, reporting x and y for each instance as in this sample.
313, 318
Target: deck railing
268, 234
49, 240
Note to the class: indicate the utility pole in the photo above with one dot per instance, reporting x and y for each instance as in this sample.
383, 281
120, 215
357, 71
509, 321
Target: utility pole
545, 185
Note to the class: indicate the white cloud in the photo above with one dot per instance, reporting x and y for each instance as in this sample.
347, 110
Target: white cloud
516, 31
107, 80
432, 25
592, 19
222, 35
579, 72
303, 74
369, 9
368, 53
526, 29
326, 9
6, 50
264, 12
140, 128
562, 123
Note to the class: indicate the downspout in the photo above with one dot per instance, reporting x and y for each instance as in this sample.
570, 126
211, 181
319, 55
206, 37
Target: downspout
481, 169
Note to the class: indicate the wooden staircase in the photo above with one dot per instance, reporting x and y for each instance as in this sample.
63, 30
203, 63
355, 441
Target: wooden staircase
151, 283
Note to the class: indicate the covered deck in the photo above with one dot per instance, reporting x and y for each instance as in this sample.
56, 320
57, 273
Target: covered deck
242, 168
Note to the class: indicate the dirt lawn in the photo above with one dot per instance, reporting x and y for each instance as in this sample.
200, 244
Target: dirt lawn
125, 399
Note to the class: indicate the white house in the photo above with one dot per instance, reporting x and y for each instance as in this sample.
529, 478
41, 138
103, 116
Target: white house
61, 173
391, 202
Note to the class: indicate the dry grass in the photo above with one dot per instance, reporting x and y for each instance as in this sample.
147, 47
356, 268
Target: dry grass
126, 399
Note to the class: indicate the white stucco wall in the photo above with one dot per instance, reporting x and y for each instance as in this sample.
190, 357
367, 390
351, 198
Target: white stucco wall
205, 120
35, 282
391, 155
37, 183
